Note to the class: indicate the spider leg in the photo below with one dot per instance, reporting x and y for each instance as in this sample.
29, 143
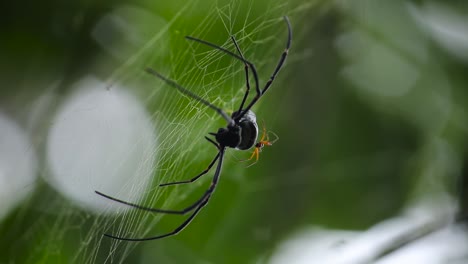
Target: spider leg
256, 153
194, 178
190, 94
276, 137
212, 142
199, 175
251, 156
246, 68
273, 76
174, 232
264, 133
252, 67
150, 209
198, 205
157, 210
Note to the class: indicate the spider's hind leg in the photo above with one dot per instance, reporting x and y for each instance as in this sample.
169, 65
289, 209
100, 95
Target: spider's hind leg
200, 174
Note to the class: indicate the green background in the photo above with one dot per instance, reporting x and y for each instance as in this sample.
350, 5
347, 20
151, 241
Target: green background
370, 110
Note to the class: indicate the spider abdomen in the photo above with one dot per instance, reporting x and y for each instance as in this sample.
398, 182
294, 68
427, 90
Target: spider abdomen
249, 131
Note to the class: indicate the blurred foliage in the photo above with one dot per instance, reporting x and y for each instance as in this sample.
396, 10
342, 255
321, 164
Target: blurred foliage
370, 110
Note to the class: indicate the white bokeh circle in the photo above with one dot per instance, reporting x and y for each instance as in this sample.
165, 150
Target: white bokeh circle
18, 165
101, 139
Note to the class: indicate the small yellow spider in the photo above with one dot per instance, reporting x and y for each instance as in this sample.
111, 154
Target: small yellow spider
264, 141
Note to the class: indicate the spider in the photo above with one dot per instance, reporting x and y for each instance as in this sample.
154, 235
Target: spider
264, 141
240, 133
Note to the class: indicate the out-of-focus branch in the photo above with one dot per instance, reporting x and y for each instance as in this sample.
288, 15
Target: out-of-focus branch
410, 236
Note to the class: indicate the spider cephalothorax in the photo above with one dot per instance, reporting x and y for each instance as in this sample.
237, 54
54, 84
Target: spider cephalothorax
240, 133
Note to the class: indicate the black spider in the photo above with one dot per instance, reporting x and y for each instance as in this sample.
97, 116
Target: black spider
240, 133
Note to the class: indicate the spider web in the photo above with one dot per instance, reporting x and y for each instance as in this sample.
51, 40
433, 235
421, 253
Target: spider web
181, 124
216, 77
64, 233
